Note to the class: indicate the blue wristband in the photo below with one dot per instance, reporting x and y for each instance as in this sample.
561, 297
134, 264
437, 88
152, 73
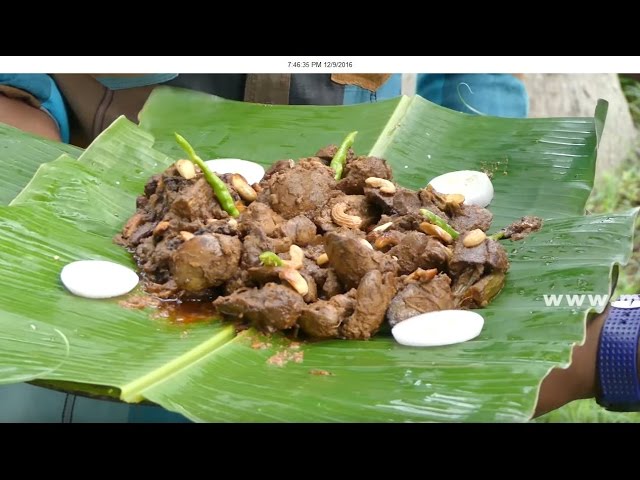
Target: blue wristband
618, 357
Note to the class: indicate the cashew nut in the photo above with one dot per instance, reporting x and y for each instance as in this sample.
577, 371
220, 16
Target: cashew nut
341, 218
436, 231
322, 259
186, 169
294, 279
297, 255
241, 186
420, 275
474, 238
385, 186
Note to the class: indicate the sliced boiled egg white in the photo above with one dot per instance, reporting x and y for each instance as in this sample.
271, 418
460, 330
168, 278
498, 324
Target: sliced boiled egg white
251, 171
98, 279
444, 327
475, 186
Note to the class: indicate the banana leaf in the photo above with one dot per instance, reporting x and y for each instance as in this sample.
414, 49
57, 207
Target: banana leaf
72, 208
20, 156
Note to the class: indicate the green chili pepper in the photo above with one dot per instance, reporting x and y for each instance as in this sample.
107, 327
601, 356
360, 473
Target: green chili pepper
340, 158
436, 220
219, 187
270, 259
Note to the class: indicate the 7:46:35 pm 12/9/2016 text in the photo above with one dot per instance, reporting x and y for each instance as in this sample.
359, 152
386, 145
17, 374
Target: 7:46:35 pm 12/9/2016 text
320, 64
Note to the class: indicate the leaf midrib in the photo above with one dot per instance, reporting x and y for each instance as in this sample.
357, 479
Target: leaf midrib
132, 391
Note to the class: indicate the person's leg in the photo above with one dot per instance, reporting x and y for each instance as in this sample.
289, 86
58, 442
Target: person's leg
501, 95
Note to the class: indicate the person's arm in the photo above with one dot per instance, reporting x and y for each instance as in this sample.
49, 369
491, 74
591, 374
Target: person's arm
33, 103
20, 114
580, 379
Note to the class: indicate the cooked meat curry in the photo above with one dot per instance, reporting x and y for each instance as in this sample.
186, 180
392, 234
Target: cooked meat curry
348, 254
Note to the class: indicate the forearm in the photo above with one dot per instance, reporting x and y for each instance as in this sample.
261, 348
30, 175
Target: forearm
579, 380
19, 114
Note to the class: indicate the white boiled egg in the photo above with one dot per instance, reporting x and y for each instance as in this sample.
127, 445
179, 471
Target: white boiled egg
251, 171
98, 279
475, 186
444, 327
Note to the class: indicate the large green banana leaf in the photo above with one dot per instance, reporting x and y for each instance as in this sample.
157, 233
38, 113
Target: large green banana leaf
72, 208
20, 155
